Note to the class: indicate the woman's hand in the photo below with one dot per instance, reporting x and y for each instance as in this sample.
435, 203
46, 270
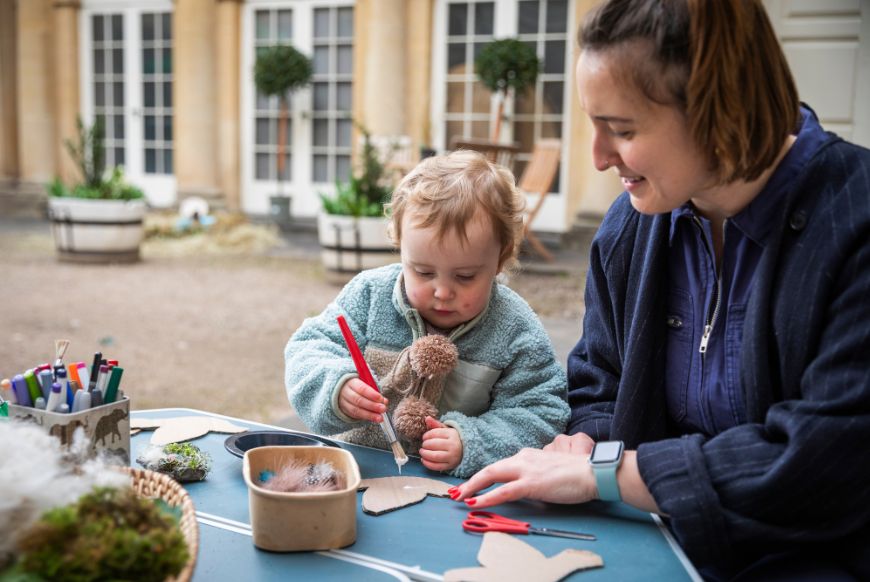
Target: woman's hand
442, 448
556, 477
579, 444
360, 401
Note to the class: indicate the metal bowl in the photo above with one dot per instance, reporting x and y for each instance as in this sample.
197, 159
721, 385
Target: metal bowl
237, 444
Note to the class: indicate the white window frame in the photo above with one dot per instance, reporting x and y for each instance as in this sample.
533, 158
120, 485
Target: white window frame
553, 215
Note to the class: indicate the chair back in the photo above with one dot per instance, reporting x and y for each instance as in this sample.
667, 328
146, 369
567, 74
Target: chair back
541, 170
500, 153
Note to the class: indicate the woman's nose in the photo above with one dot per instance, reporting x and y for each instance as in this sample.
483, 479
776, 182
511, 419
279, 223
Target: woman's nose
603, 154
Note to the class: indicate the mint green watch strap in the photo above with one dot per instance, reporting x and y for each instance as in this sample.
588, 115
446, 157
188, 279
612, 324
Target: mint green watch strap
605, 479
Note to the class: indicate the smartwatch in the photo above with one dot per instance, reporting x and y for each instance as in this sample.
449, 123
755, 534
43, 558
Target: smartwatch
605, 460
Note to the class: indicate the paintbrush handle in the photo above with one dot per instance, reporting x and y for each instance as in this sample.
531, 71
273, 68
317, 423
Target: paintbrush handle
362, 368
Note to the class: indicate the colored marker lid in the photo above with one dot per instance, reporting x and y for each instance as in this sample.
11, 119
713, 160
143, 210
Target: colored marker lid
114, 381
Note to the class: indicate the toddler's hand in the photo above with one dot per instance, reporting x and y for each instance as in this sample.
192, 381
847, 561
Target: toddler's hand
360, 401
442, 448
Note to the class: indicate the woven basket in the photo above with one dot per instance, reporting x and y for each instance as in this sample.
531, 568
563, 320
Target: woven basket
154, 485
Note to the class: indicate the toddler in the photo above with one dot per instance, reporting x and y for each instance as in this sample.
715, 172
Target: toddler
464, 365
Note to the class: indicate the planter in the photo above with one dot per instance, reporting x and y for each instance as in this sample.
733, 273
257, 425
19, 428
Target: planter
350, 245
97, 231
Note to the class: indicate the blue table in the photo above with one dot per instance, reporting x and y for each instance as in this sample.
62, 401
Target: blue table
419, 542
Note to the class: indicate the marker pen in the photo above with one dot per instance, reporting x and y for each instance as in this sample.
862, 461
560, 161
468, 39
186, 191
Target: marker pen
96, 397
61, 378
22, 395
32, 385
95, 369
40, 403
84, 375
70, 393
111, 394
103, 379
82, 401
45, 382
63, 408
55, 399
72, 372
112, 362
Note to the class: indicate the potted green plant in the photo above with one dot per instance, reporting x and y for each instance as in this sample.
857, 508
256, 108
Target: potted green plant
278, 71
503, 65
99, 219
352, 228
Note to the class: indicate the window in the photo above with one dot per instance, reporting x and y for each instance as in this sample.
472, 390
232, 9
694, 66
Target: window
157, 92
108, 83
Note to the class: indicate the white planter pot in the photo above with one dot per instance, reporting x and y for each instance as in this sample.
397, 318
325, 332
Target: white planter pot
351, 244
97, 231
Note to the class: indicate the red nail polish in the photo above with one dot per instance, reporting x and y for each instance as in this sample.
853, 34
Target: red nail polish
451, 490
471, 501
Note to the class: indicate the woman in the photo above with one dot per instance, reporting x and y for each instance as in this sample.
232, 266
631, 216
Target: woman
726, 340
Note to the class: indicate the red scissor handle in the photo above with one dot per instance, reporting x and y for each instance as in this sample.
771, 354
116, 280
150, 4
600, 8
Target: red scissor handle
485, 521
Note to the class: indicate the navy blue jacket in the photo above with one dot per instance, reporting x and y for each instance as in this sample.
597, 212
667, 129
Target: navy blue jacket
797, 474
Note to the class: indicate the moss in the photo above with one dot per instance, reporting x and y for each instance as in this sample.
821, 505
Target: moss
109, 534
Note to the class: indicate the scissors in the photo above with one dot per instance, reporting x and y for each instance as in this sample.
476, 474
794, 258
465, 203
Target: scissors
484, 521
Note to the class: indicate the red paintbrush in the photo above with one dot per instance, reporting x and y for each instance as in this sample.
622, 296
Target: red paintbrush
365, 374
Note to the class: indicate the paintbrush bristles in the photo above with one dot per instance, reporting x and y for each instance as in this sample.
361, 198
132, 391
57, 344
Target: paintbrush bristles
399, 454
60, 347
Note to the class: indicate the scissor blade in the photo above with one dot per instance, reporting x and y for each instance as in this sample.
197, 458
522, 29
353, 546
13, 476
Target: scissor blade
558, 533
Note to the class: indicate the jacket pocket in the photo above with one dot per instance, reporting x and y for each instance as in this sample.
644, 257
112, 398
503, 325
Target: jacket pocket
679, 320
468, 389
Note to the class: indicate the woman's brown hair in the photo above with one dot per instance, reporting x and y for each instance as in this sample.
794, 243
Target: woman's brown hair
719, 61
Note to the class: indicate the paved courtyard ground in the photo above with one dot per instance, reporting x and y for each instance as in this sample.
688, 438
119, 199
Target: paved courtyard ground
203, 325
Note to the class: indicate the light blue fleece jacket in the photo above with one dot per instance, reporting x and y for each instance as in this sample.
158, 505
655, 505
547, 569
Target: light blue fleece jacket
506, 392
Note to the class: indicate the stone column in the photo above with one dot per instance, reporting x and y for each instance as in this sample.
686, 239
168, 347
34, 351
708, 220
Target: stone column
418, 72
194, 96
36, 137
65, 90
229, 85
8, 90
384, 65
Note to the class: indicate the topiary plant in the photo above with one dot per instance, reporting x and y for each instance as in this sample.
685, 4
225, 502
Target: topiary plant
505, 64
279, 71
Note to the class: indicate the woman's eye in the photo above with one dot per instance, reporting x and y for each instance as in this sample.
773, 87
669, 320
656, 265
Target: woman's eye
622, 134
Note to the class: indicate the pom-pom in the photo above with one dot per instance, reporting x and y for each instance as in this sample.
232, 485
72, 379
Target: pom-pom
410, 417
433, 355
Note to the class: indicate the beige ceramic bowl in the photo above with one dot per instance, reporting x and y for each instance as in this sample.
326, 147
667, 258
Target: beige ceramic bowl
295, 522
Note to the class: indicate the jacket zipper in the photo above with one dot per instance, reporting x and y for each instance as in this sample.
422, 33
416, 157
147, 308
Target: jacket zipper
717, 301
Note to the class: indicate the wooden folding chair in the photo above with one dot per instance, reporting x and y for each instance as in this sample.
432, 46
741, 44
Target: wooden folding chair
537, 178
500, 153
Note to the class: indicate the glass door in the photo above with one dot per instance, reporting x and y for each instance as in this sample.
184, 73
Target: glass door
126, 85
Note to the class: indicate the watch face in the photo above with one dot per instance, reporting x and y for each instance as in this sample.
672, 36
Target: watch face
606, 452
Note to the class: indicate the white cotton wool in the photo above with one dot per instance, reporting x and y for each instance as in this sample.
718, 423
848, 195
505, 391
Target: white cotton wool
37, 475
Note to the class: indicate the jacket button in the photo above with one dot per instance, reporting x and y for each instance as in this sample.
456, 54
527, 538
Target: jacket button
798, 220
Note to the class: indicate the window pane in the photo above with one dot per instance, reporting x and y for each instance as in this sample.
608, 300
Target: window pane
150, 160
455, 97
553, 96
321, 173
117, 27
119, 157
262, 133
321, 22
342, 132
167, 95
557, 15
118, 122
97, 24
342, 168
345, 59
118, 97
167, 128
321, 96
100, 94
524, 133
453, 131
262, 19
484, 16
288, 168
167, 26
167, 161
554, 56
321, 60
147, 27
118, 61
551, 129
150, 128
167, 61
528, 17
525, 102
345, 22
321, 132
480, 129
99, 63
262, 163
458, 17
148, 61
285, 24
481, 98
456, 57
343, 96
478, 46
149, 94
288, 133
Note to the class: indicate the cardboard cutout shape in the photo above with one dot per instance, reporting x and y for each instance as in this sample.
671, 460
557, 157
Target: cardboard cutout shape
183, 428
386, 494
505, 557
